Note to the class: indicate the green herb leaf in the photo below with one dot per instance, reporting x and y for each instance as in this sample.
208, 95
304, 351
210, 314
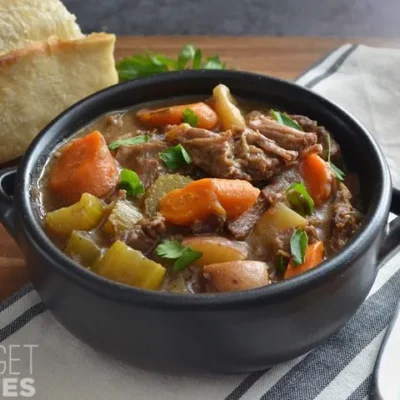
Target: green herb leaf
283, 119
129, 141
336, 170
171, 249
175, 157
186, 54
197, 59
183, 256
281, 264
298, 246
130, 181
190, 117
142, 65
299, 199
213, 63
148, 64
188, 257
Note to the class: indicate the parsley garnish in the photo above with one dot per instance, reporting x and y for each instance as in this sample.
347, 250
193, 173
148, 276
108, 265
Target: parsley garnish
336, 171
190, 117
128, 142
130, 181
299, 198
173, 250
283, 119
281, 264
175, 157
298, 246
142, 65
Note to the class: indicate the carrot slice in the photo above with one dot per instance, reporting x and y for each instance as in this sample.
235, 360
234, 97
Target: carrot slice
199, 199
84, 166
194, 202
318, 178
314, 256
207, 118
236, 196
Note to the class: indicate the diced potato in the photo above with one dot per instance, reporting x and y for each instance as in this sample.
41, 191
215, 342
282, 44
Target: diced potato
163, 185
216, 249
237, 275
276, 219
224, 104
82, 249
123, 264
123, 216
81, 216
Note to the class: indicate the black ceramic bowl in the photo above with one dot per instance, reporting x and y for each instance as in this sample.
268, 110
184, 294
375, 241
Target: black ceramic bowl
228, 332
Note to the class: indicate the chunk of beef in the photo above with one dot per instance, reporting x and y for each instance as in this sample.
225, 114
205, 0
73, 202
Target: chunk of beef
146, 234
345, 218
210, 151
284, 136
241, 227
275, 190
322, 134
213, 224
144, 159
241, 154
259, 156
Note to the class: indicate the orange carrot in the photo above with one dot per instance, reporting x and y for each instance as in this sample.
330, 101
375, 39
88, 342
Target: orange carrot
314, 256
85, 165
318, 178
199, 199
207, 118
236, 196
195, 202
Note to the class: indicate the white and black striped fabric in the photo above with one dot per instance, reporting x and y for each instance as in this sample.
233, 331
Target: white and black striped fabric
64, 368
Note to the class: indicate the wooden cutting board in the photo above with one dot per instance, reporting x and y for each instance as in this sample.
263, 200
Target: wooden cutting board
284, 57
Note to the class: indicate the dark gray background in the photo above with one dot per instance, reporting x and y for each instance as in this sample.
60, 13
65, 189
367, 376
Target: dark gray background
240, 17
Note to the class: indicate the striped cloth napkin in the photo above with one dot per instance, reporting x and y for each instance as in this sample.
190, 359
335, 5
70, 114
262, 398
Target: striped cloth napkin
364, 81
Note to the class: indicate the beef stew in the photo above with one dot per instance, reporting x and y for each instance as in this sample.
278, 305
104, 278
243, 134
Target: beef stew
204, 196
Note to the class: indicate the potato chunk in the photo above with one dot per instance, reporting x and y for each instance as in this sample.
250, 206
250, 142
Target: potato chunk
237, 275
123, 264
224, 104
81, 216
82, 249
123, 216
216, 249
277, 218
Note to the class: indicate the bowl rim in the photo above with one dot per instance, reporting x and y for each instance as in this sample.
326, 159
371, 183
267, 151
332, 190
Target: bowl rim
103, 287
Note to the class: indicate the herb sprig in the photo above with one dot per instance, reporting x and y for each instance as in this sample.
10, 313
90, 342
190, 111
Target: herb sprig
336, 170
183, 255
148, 64
298, 246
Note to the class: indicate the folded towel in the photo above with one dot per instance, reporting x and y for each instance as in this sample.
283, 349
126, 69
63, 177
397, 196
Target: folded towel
365, 82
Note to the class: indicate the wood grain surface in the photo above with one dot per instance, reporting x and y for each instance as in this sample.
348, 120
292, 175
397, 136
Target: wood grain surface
281, 57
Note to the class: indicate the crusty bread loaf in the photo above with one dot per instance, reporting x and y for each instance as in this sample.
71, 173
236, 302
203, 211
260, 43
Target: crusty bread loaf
42, 80
25, 21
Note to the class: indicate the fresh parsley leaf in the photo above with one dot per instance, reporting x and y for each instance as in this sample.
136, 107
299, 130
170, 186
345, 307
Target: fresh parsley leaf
186, 54
213, 63
298, 246
130, 181
189, 256
336, 170
175, 157
281, 264
148, 64
190, 117
183, 255
129, 141
283, 119
171, 249
299, 199
197, 59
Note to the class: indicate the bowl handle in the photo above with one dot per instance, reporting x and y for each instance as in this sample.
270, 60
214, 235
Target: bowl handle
7, 180
391, 241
